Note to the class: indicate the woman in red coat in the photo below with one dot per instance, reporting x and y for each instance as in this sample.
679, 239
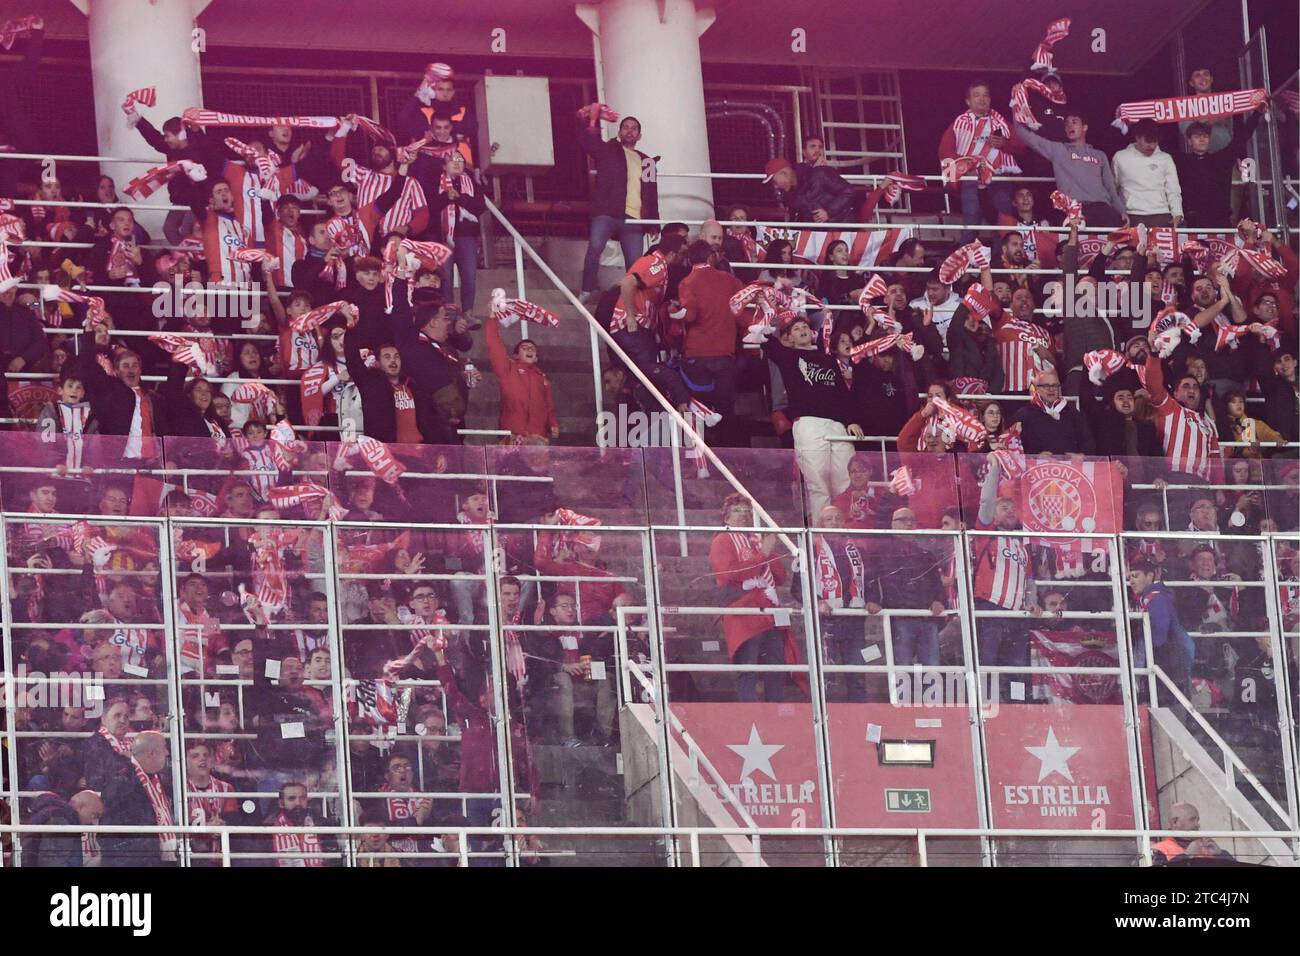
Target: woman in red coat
749, 570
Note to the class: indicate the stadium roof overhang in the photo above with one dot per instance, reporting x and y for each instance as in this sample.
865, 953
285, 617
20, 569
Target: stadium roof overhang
993, 35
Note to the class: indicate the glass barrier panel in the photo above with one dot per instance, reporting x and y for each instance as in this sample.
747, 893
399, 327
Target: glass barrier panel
1199, 612
94, 674
685, 490
396, 483
1065, 851
735, 646
529, 482
258, 676
565, 641
1286, 565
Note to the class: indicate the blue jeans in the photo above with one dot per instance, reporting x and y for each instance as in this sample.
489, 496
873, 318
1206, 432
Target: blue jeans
464, 256
603, 229
765, 648
971, 213
1004, 641
916, 641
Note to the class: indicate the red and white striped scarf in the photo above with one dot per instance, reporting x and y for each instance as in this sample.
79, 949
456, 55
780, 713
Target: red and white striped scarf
749, 551
516, 663
830, 584
148, 182
1072, 208
376, 456
897, 183
884, 343
1198, 106
309, 321
509, 311
902, 483
96, 313
746, 240
979, 301
151, 783
350, 236
1057, 31
474, 539
288, 839
304, 494
972, 132
145, 96
571, 519
196, 116
961, 259
452, 212
961, 422
256, 394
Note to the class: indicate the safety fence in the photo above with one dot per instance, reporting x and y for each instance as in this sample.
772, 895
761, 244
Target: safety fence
630, 660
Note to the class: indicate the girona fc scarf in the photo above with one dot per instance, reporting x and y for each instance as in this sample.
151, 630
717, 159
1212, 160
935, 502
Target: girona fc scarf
376, 456
196, 116
1202, 106
961, 259
749, 553
830, 584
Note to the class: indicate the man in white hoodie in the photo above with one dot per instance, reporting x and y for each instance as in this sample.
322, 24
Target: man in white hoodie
1148, 180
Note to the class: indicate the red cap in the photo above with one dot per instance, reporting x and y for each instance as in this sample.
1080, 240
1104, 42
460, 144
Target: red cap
774, 166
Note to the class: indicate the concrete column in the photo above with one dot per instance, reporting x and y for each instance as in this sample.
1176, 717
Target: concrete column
135, 44
648, 66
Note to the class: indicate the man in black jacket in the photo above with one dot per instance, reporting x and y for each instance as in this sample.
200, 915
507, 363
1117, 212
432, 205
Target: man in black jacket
175, 142
880, 399
122, 405
140, 798
22, 337
1052, 423
1206, 177
392, 407
613, 201
430, 342
818, 195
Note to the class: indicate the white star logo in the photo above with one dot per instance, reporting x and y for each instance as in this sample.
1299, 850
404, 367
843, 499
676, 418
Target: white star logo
756, 754
1053, 758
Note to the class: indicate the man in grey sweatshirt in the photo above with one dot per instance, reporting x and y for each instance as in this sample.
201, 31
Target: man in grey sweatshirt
1082, 172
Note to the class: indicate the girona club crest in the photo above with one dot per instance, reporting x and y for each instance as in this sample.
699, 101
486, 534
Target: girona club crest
1060, 497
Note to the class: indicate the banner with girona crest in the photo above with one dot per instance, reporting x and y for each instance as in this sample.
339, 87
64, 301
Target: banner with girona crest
1061, 494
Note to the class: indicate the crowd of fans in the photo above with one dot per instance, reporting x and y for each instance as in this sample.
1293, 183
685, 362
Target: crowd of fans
360, 253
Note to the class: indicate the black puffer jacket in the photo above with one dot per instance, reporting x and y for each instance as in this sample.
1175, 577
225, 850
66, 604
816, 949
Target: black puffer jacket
609, 198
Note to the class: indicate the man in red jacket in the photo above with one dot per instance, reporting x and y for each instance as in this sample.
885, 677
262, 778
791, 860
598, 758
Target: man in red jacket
711, 332
527, 407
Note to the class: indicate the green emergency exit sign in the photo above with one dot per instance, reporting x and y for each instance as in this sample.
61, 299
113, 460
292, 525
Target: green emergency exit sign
907, 801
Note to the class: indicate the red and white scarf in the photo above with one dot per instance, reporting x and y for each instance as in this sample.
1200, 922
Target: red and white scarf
145, 96
452, 213
1103, 363
571, 519
961, 259
150, 783
509, 311
979, 301
148, 182
196, 116
1057, 31
884, 343
1198, 106
309, 321
897, 183
258, 395
959, 421
902, 483
288, 839
1072, 208
376, 456
830, 584
972, 133
749, 551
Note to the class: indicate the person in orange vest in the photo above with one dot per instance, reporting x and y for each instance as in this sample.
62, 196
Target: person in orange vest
1182, 816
